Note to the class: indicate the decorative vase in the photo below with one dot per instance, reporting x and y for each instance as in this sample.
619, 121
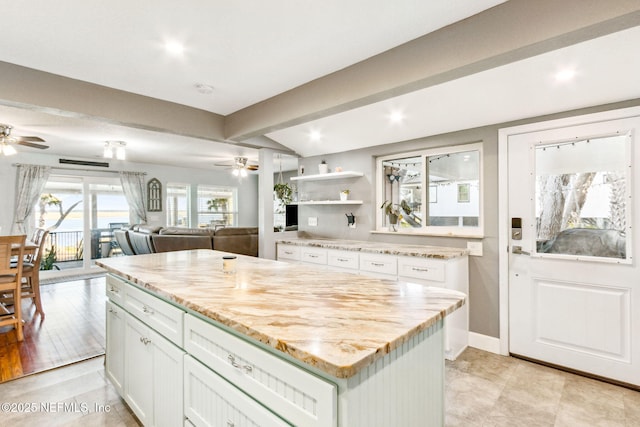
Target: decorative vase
393, 222
344, 196
323, 168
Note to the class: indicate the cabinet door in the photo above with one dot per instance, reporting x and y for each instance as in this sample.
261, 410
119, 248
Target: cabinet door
168, 373
114, 359
138, 380
212, 401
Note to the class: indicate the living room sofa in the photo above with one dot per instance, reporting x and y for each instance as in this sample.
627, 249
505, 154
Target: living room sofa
143, 239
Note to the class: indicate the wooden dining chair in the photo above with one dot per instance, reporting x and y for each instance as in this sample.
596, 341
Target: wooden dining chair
11, 280
31, 271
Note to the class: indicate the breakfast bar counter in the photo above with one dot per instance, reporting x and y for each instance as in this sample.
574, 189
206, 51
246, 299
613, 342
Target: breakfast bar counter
343, 330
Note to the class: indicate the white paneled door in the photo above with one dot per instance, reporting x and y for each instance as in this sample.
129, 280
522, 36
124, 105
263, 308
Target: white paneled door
573, 216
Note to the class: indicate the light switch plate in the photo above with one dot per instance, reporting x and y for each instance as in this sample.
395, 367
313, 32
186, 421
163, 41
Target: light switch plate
312, 221
475, 248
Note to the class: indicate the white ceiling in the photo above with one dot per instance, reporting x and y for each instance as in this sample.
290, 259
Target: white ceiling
252, 50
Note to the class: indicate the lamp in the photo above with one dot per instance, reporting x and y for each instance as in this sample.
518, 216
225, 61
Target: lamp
118, 147
240, 167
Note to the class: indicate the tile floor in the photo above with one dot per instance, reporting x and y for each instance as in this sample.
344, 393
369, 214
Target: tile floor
482, 389
485, 389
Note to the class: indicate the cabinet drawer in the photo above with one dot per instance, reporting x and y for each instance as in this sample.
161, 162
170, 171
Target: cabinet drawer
212, 401
343, 259
115, 289
313, 255
298, 396
160, 315
380, 264
421, 268
288, 252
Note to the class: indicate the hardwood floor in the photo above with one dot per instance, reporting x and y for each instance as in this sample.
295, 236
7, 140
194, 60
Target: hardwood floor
73, 329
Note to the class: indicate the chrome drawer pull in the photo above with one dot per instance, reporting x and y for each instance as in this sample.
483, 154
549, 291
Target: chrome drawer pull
230, 423
312, 256
377, 264
147, 310
114, 290
145, 341
422, 270
232, 360
343, 259
111, 310
288, 253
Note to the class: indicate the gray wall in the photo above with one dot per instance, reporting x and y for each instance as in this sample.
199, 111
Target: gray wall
247, 187
483, 271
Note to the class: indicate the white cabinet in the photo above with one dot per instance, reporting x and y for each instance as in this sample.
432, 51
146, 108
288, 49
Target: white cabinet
343, 260
153, 376
114, 361
145, 367
311, 255
212, 401
379, 265
299, 397
288, 253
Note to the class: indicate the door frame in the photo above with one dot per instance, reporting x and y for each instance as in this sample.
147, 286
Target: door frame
504, 226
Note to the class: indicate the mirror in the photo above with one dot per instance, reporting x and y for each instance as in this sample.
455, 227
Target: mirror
434, 191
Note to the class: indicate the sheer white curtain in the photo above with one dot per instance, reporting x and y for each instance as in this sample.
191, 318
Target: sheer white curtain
30, 183
134, 190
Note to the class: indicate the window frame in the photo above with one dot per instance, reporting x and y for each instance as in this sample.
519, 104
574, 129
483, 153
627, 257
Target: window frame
431, 230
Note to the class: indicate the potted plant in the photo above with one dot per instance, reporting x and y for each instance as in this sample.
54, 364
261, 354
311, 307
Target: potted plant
393, 213
323, 167
344, 194
283, 192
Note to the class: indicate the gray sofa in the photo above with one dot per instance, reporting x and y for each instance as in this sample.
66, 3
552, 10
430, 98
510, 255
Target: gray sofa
143, 239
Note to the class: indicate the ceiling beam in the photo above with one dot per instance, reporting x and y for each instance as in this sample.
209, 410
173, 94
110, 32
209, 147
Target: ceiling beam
509, 32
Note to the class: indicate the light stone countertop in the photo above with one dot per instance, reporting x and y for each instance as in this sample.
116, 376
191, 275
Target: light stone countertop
336, 322
424, 251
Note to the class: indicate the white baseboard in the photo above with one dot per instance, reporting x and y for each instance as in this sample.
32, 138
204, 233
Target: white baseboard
484, 342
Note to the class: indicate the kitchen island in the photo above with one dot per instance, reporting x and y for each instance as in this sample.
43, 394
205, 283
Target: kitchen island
273, 343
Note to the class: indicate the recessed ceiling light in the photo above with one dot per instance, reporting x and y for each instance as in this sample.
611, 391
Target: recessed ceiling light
315, 135
565, 75
396, 117
174, 48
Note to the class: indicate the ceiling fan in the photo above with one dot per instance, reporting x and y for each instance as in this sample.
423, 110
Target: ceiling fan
6, 139
240, 166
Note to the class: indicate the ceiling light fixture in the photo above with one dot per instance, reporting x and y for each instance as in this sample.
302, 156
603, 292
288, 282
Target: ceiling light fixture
565, 75
115, 146
174, 48
240, 167
396, 117
315, 135
6, 149
204, 88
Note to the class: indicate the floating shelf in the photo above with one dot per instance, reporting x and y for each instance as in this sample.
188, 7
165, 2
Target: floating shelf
325, 176
329, 202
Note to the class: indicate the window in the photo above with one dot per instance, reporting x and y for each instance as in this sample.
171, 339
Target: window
178, 212
582, 189
434, 191
217, 206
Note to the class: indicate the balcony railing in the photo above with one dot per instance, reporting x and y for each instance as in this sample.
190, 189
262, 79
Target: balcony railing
69, 245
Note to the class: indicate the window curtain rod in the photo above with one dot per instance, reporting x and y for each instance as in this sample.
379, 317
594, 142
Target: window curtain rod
74, 169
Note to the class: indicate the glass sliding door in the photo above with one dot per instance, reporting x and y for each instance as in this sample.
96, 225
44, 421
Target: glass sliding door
81, 214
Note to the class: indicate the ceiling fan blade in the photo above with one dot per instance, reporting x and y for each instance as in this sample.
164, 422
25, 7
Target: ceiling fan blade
32, 145
29, 138
252, 167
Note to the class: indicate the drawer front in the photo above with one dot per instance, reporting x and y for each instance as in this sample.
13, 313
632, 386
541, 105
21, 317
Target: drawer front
212, 401
288, 252
296, 395
115, 289
379, 264
160, 315
421, 268
313, 255
343, 259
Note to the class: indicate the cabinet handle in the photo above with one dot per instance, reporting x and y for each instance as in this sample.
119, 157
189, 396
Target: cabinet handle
111, 310
312, 256
144, 340
343, 259
232, 360
422, 270
114, 290
147, 310
230, 423
288, 253
377, 264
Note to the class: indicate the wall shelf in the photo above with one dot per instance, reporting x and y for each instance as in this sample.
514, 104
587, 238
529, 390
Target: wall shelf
329, 202
326, 176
